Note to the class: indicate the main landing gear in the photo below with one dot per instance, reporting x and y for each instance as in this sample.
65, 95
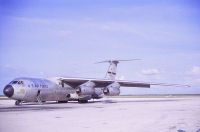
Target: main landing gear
18, 102
82, 101
62, 101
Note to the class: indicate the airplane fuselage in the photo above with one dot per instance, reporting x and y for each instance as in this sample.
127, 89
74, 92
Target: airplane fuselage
36, 89
27, 89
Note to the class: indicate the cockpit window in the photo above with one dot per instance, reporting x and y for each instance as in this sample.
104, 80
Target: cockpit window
14, 82
20, 82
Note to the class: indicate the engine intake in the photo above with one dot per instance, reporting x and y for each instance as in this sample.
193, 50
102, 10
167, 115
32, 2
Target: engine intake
112, 89
86, 88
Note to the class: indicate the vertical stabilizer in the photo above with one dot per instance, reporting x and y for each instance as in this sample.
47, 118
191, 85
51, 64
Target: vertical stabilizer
112, 69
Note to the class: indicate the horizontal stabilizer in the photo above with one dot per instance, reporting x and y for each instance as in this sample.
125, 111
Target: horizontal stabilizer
116, 61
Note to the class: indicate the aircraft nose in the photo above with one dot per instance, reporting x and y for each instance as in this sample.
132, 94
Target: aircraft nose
8, 91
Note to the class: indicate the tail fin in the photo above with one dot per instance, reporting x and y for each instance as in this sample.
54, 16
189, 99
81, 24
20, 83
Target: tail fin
112, 69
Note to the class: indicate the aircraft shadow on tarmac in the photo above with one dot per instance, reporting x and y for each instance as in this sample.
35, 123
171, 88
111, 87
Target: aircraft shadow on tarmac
47, 106
32, 108
50, 106
147, 101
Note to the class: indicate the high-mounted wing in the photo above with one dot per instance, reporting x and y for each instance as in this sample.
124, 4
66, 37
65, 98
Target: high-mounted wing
146, 84
133, 84
75, 82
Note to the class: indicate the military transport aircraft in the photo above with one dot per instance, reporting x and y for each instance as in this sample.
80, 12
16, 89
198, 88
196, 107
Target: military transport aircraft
64, 89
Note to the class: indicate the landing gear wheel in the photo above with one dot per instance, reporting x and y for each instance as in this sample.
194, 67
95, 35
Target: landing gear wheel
83, 101
18, 102
62, 101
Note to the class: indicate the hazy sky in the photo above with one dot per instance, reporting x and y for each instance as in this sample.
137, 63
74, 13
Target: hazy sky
44, 38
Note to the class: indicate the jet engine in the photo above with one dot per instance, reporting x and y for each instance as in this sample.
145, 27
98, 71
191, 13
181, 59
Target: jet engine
86, 88
112, 89
98, 93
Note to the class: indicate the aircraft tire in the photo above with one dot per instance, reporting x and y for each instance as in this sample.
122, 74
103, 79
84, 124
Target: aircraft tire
17, 102
82, 101
62, 101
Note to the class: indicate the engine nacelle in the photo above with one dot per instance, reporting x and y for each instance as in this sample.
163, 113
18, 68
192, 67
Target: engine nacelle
86, 88
112, 89
98, 93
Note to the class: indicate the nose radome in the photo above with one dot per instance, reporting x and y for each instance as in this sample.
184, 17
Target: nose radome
8, 91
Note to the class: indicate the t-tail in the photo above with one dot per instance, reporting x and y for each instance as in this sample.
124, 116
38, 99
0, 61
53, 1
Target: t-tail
112, 69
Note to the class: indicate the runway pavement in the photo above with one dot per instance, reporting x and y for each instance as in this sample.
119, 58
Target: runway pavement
179, 114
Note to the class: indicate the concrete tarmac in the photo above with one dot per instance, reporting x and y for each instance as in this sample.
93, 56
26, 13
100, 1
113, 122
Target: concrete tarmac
163, 114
